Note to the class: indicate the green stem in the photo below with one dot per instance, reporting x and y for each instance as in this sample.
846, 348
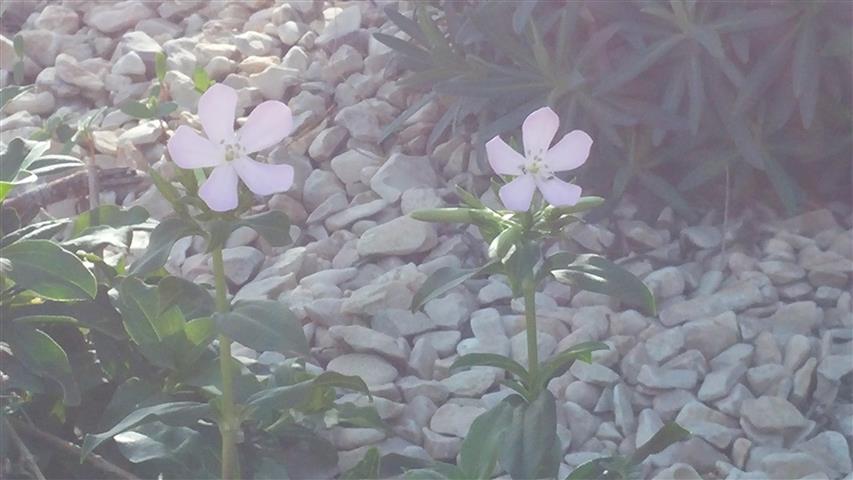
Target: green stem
529, 288
229, 424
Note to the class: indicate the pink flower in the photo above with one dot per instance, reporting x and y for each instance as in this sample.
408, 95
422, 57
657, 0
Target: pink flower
536, 168
228, 152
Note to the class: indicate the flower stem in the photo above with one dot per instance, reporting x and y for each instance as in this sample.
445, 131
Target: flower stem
228, 424
529, 288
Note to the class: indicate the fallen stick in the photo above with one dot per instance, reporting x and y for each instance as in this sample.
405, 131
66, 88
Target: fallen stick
70, 449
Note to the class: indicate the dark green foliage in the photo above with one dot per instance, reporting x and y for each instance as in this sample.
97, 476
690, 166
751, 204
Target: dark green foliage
679, 95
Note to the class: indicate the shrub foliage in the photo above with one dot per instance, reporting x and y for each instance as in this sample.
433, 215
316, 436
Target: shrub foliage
681, 96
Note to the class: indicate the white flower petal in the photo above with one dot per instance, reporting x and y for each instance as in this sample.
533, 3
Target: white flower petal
264, 178
569, 153
216, 110
517, 194
189, 150
267, 125
559, 193
503, 158
538, 130
219, 191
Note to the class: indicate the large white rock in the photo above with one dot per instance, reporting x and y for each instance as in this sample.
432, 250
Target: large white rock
454, 419
400, 173
114, 17
373, 369
401, 236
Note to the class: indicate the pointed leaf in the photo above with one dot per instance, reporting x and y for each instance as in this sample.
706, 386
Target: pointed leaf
49, 270
490, 360
597, 274
175, 413
530, 439
136, 109
160, 245
273, 226
443, 280
482, 445
368, 467
264, 325
41, 354
561, 363
666, 436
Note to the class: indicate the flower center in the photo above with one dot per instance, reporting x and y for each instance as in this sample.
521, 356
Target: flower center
233, 150
536, 165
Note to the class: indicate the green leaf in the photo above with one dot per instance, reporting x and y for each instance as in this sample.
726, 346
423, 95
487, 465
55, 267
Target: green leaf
174, 413
521, 15
10, 92
634, 67
666, 436
597, 274
443, 280
561, 363
109, 215
201, 80
264, 325
160, 245
445, 215
49, 270
164, 109
367, 468
597, 469
753, 19
160, 66
784, 184
34, 231
193, 300
273, 226
584, 204
406, 24
52, 164
18, 72
350, 415
136, 109
521, 263
501, 244
423, 474
12, 160
143, 319
349, 382
401, 119
491, 360
269, 469
667, 192
767, 70
530, 438
403, 47
41, 354
482, 445
157, 441
281, 398
18, 44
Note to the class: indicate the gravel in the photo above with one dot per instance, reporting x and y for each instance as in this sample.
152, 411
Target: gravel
751, 351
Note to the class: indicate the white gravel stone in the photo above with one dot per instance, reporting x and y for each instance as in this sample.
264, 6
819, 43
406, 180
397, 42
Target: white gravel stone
373, 369
772, 414
401, 236
653, 377
344, 22
241, 263
719, 383
400, 173
365, 340
454, 419
118, 16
